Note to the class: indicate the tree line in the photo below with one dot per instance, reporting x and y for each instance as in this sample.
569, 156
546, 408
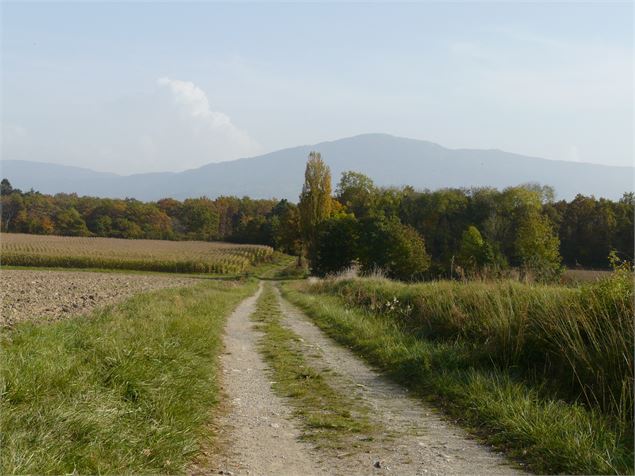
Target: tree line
226, 218
456, 232
405, 232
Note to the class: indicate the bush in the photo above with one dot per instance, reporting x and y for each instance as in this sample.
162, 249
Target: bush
336, 246
376, 242
393, 247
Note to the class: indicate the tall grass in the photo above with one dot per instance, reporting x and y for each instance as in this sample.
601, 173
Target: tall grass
579, 340
123, 390
517, 414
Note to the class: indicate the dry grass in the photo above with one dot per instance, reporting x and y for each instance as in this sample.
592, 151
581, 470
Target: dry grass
115, 253
573, 276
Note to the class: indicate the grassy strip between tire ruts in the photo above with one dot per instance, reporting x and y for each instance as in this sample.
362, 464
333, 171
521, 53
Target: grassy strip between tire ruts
126, 389
550, 435
329, 418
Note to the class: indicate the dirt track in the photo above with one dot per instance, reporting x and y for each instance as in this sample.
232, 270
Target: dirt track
258, 433
28, 295
414, 439
261, 437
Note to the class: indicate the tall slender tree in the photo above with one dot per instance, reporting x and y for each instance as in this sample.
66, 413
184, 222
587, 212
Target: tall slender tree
315, 200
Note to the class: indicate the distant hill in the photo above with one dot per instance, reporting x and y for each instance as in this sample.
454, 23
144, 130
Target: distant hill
388, 160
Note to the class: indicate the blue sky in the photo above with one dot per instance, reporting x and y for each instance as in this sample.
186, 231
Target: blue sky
133, 87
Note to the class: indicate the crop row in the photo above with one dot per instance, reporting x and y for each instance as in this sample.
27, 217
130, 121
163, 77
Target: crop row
144, 255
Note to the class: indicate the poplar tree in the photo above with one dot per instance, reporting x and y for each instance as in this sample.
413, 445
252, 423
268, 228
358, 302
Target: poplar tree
315, 200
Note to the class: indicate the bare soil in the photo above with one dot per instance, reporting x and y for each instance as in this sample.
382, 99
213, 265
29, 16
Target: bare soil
45, 296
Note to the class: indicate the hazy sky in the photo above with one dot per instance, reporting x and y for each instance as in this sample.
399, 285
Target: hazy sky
133, 87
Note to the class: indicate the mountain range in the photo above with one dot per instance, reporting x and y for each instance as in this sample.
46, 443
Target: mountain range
388, 160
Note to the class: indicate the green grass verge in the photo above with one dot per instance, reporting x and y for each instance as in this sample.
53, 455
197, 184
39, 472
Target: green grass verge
280, 266
577, 342
127, 389
329, 418
550, 435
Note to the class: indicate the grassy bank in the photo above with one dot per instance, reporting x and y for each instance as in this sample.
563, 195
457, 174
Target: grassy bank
578, 341
470, 347
328, 416
124, 390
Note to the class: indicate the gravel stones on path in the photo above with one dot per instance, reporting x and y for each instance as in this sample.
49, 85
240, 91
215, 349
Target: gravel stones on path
46, 296
258, 431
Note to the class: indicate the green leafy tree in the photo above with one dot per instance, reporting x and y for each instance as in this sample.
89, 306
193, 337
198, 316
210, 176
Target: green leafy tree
477, 255
101, 226
472, 253
397, 249
70, 222
285, 223
124, 228
199, 218
337, 245
357, 193
440, 217
624, 236
11, 206
5, 187
537, 248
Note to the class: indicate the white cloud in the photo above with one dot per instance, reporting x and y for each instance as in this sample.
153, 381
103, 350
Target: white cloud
193, 102
170, 128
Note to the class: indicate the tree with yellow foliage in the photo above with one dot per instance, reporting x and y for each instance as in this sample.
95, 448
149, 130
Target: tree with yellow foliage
316, 203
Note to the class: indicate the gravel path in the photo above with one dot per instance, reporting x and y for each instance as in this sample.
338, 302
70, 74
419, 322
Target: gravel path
257, 429
29, 295
258, 434
415, 440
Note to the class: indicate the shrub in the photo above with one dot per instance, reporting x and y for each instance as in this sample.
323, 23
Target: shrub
396, 248
376, 242
336, 246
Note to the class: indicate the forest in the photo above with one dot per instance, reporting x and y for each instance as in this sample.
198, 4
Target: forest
442, 232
